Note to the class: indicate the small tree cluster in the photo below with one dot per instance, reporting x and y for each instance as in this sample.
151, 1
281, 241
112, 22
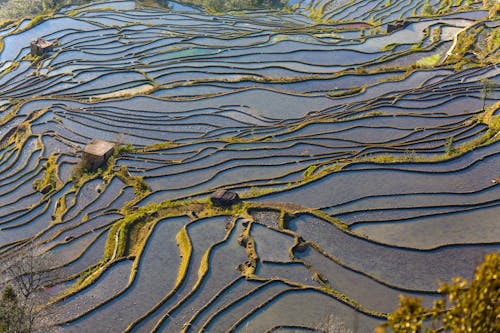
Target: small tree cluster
12, 315
428, 9
487, 88
23, 302
463, 308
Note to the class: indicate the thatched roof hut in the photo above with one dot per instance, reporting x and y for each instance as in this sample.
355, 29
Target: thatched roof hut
40, 47
96, 153
224, 198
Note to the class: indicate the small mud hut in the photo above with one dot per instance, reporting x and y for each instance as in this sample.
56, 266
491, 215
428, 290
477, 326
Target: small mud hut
96, 153
397, 25
224, 198
40, 47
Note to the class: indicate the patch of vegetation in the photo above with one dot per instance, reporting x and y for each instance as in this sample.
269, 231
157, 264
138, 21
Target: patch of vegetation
476, 45
12, 316
450, 146
429, 61
23, 132
124, 149
125, 227
80, 175
344, 93
140, 186
428, 9
126, 235
316, 13
257, 192
487, 88
88, 272
23, 304
309, 172
220, 6
390, 47
160, 145
17, 9
185, 249
463, 308
50, 180
12, 67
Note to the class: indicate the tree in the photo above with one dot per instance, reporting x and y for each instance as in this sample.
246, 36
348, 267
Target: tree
450, 146
12, 316
23, 306
427, 9
463, 309
487, 87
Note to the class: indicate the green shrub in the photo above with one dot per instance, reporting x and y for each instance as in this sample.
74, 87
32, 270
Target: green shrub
13, 317
124, 149
427, 9
462, 309
309, 172
450, 146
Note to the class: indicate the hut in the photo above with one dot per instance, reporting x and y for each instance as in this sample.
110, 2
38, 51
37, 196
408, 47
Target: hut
397, 25
40, 47
224, 198
96, 153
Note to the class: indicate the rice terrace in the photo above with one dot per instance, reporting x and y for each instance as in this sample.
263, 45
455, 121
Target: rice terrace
249, 165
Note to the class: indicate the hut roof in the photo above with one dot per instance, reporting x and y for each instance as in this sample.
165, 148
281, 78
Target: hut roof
42, 43
98, 147
223, 198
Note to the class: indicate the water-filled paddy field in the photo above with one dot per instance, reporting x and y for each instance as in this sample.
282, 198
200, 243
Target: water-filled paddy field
367, 161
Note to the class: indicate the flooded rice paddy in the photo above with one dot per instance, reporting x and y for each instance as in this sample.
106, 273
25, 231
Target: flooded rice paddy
365, 172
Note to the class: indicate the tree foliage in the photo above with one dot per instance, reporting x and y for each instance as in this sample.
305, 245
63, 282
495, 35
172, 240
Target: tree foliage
463, 309
227, 5
428, 9
487, 88
12, 315
23, 302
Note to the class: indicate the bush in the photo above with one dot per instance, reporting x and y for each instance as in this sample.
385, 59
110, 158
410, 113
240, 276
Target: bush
449, 146
427, 9
12, 316
124, 149
23, 303
463, 309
